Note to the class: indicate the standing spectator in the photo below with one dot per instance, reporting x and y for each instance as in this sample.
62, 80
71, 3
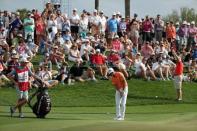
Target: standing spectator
183, 33
83, 26
95, 22
103, 24
147, 28
178, 76
192, 32
52, 27
74, 23
159, 28
170, 32
29, 26
121, 86
112, 26
16, 23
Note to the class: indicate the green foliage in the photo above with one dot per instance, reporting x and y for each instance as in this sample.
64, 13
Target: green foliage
23, 13
185, 13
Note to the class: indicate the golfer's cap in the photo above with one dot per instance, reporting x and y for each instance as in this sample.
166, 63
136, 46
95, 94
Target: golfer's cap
98, 50
193, 23
110, 71
24, 60
184, 22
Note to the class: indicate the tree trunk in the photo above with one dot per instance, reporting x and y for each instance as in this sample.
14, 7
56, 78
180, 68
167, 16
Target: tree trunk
97, 4
127, 8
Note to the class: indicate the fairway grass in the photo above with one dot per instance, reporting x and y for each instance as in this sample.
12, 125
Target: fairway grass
169, 117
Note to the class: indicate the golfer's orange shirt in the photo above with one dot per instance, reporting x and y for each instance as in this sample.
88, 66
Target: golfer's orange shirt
119, 81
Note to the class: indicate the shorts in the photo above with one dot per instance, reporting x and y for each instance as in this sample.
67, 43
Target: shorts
178, 81
22, 94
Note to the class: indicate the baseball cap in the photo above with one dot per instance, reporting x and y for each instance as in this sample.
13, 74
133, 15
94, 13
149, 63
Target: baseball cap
193, 22
24, 60
110, 71
98, 50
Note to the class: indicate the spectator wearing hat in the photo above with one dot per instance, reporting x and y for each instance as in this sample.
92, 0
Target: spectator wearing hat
29, 26
116, 44
13, 63
192, 32
112, 26
98, 61
52, 27
22, 48
74, 23
95, 22
183, 33
74, 54
121, 86
122, 27
83, 26
86, 50
103, 23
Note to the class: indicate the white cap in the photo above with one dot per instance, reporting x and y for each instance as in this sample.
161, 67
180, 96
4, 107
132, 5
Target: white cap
188, 23
184, 22
193, 22
75, 9
110, 70
24, 60
95, 11
98, 50
114, 13
116, 36
118, 13
177, 23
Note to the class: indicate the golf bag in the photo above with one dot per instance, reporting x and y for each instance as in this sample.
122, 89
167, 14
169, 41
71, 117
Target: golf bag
42, 106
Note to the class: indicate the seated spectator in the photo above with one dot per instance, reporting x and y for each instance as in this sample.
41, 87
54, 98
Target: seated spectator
86, 50
81, 73
3, 68
193, 70
74, 54
13, 63
63, 74
116, 44
56, 56
98, 61
147, 50
46, 75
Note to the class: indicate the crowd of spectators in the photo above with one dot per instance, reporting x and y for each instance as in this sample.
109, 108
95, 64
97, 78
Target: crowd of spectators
82, 47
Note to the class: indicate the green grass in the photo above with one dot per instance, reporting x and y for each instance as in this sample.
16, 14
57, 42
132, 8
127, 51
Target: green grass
182, 117
90, 106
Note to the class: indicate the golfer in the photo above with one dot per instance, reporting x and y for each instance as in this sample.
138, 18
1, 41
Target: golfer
121, 86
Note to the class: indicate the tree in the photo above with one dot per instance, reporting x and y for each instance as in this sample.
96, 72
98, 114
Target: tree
185, 14
97, 4
23, 13
127, 8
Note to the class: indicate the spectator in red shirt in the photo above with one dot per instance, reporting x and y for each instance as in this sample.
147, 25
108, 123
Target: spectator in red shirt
178, 76
98, 60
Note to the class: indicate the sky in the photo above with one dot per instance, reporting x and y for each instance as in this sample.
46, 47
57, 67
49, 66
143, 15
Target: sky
141, 7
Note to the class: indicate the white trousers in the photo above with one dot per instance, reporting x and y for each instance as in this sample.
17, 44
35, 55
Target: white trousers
121, 103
